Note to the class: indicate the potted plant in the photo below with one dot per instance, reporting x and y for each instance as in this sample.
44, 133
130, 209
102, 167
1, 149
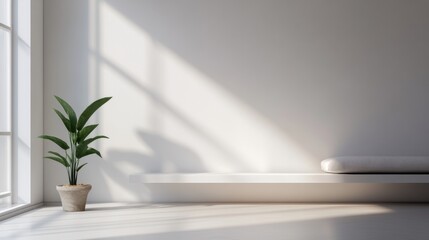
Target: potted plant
74, 195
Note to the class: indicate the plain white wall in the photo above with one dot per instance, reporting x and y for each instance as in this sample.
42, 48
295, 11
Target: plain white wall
235, 86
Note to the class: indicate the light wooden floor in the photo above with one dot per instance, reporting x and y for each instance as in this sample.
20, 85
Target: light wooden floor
223, 221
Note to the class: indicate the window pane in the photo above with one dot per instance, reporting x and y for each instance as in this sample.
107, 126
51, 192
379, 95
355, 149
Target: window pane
5, 82
5, 12
5, 163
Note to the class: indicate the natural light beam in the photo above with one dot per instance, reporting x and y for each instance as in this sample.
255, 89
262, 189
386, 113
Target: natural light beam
166, 96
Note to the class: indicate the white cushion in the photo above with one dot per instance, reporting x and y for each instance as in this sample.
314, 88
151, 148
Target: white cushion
376, 164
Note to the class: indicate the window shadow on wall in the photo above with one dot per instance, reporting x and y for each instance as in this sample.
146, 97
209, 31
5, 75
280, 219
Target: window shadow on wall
334, 81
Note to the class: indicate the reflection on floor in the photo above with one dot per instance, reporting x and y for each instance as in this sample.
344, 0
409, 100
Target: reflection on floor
223, 221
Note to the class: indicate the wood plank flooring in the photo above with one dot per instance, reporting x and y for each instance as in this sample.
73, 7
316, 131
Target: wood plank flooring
223, 221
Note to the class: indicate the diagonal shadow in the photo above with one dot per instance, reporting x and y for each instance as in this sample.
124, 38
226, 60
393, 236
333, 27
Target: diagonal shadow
186, 122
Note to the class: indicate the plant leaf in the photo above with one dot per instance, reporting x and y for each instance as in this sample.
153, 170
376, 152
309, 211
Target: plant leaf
90, 140
90, 151
87, 113
70, 112
64, 119
57, 141
81, 166
58, 155
81, 149
60, 160
85, 132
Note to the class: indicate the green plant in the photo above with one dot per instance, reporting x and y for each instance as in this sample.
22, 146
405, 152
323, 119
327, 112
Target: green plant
78, 132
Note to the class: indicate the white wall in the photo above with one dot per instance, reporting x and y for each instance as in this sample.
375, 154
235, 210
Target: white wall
236, 86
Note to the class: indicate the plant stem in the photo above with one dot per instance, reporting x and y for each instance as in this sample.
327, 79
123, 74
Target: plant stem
72, 160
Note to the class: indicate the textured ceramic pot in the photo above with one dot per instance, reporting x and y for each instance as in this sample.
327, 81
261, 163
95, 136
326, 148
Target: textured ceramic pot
73, 197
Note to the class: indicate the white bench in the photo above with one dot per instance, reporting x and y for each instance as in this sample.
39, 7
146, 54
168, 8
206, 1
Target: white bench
363, 170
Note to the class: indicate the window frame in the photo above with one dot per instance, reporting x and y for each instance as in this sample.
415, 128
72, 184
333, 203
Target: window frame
9, 134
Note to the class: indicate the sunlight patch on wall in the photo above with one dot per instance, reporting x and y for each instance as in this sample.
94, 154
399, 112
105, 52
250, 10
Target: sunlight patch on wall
157, 92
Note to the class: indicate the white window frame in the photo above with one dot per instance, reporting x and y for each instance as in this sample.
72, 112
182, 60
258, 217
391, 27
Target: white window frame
26, 24
11, 103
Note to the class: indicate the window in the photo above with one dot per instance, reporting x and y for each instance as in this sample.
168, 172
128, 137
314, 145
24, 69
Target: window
5, 101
